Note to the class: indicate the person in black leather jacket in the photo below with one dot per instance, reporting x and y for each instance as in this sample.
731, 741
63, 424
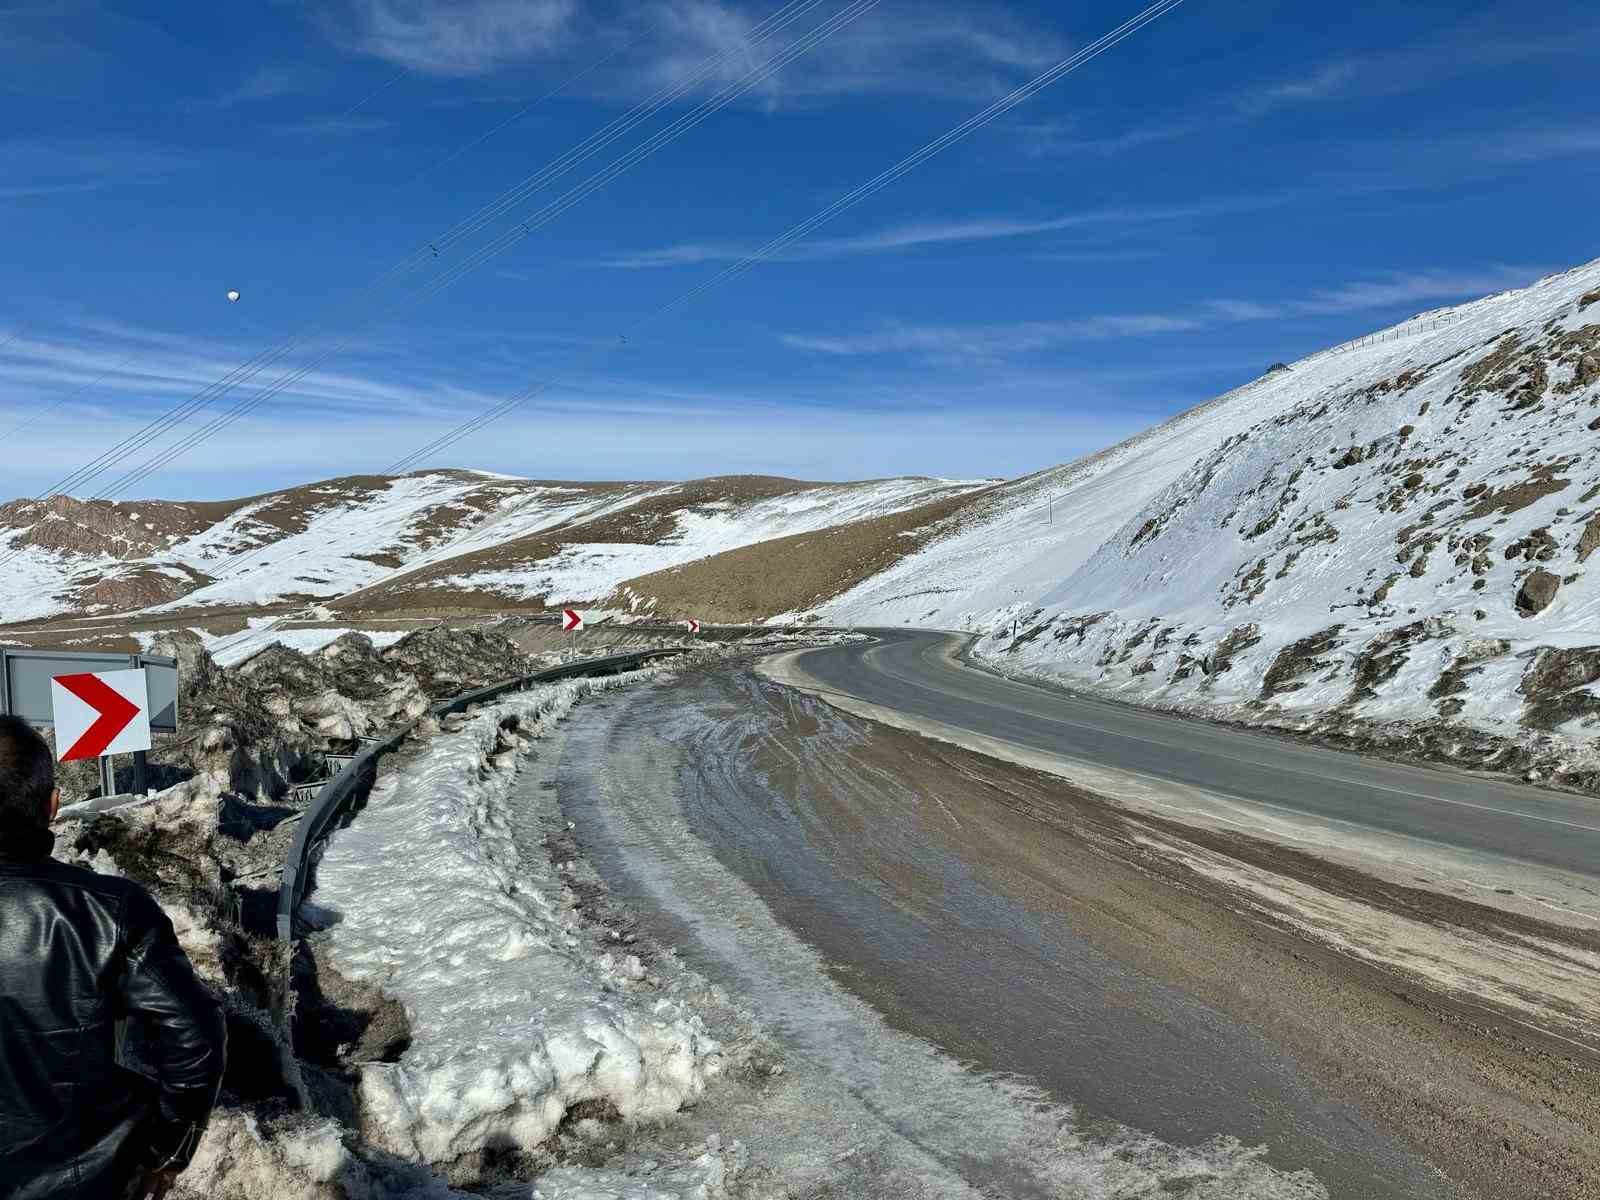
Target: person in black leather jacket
89, 967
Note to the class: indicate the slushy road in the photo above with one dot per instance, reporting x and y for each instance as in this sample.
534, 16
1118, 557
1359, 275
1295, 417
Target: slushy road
917, 673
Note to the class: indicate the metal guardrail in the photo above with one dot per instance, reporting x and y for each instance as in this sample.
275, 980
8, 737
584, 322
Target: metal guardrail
338, 792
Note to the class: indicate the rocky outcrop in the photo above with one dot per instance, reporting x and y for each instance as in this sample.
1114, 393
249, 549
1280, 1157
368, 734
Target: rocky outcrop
1536, 593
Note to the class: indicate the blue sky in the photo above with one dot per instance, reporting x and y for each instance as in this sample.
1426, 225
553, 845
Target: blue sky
1240, 183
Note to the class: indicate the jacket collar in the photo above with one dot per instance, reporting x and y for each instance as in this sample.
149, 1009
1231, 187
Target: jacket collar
26, 845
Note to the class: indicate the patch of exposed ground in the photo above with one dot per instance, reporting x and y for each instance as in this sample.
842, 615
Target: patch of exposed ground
119, 529
795, 573
1307, 656
648, 521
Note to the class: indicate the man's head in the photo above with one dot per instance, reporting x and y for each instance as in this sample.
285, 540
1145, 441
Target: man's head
27, 778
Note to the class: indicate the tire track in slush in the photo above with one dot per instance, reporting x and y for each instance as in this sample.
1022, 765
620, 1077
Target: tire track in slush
672, 787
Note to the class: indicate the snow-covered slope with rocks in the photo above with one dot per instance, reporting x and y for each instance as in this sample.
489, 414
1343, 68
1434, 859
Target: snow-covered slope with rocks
439, 536
998, 555
1398, 531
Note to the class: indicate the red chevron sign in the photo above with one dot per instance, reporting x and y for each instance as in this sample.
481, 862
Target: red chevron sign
101, 713
571, 622
694, 626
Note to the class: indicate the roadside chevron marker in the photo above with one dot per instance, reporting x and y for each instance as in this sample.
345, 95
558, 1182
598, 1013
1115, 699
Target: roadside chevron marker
571, 621
106, 712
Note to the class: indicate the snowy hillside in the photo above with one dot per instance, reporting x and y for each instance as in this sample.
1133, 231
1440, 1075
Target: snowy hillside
996, 557
1398, 531
463, 536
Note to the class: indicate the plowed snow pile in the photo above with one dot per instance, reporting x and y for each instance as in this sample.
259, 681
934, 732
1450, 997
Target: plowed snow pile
524, 1023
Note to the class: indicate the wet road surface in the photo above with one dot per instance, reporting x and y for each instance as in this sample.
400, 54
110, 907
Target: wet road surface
959, 921
916, 673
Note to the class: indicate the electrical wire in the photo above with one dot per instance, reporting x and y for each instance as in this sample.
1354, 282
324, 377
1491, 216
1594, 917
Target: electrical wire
683, 124
72, 395
804, 228
504, 241
177, 415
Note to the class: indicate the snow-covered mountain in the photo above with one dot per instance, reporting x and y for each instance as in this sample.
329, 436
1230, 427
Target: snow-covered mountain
441, 537
1399, 530
1395, 532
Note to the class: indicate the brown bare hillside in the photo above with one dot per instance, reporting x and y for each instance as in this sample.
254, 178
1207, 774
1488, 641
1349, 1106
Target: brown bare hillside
120, 529
793, 573
647, 521
651, 520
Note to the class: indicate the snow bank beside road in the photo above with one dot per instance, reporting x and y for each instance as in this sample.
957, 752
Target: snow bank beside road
518, 1013
228, 650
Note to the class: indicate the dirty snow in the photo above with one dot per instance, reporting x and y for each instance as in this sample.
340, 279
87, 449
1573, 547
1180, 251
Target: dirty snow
864, 1110
229, 649
516, 1017
1551, 985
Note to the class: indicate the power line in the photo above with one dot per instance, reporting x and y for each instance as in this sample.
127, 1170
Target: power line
526, 109
72, 395
375, 93
522, 229
702, 112
884, 179
65, 484
806, 227
178, 414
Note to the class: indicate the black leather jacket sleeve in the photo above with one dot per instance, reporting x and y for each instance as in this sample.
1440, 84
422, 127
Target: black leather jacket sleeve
186, 1027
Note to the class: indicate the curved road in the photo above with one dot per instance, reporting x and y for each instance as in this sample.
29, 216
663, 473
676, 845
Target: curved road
916, 673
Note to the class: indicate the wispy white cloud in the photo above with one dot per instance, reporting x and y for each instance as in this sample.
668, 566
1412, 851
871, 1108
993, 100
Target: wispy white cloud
45, 168
998, 341
994, 341
555, 440
686, 254
1412, 288
933, 233
101, 365
1473, 46
455, 37
267, 83
675, 431
1325, 83
347, 125
1536, 144
940, 47
23, 191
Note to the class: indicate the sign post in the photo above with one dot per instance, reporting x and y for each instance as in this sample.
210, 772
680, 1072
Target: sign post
100, 703
100, 713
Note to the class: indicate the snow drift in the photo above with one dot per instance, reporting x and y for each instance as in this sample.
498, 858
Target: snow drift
518, 1017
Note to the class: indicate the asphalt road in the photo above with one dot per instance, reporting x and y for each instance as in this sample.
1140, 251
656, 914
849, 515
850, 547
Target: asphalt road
806, 861
915, 673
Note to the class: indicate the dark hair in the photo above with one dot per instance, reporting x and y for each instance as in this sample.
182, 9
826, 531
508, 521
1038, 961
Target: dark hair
27, 776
